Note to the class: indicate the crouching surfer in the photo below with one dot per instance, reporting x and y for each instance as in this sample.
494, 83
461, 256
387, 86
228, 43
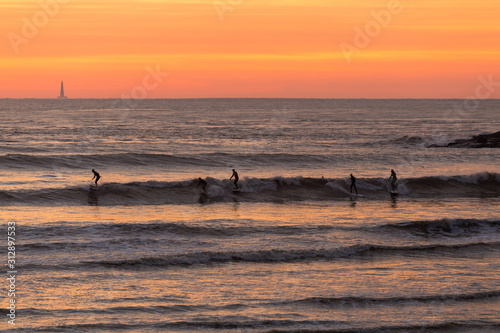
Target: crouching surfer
203, 184
96, 176
202, 197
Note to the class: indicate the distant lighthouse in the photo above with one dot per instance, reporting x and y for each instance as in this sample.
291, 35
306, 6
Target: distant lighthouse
62, 91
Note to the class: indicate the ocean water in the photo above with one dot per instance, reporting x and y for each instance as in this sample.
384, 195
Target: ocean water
293, 251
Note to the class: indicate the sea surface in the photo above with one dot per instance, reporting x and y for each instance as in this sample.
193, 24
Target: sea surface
292, 251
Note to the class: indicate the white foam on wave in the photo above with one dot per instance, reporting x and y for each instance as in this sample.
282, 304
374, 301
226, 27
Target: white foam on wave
214, 191
289, 180
475, 178
337, 186
255, 185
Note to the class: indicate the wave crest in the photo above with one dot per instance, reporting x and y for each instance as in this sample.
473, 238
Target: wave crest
276, 189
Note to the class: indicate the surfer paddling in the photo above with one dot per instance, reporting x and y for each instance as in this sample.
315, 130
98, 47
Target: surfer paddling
393, 180
96, 176
353, 184
235, 175
203, 184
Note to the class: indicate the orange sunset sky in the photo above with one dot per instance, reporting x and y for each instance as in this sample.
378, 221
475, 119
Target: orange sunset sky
249, 48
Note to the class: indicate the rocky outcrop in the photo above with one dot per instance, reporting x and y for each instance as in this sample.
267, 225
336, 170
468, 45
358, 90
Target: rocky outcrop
478, 141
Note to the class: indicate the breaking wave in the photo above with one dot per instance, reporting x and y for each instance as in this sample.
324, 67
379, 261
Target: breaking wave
274, 256
277, 189
445, 227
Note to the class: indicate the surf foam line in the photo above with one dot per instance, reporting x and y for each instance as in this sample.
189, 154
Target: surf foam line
211, 228
207, 160
370, 301
133, 309
333, 302
276, 189
443, 228
446, 228
279, 326
273, 256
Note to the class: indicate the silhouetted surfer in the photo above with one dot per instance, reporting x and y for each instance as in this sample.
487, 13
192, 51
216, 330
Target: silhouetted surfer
353, 184
203, 184
235, 175
393, 180
96, 176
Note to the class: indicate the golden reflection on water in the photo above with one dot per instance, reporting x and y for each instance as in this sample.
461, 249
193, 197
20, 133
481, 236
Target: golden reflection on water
219, 291
350, 212
160, 295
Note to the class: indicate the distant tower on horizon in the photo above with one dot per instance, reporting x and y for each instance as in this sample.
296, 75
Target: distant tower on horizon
62, 91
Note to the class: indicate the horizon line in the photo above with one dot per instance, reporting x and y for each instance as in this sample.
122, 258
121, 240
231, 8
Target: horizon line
297, 98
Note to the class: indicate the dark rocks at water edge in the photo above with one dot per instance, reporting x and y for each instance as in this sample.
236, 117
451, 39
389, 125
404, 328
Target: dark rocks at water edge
478, 141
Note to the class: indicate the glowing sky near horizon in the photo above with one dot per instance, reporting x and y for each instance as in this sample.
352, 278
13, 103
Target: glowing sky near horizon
249, 48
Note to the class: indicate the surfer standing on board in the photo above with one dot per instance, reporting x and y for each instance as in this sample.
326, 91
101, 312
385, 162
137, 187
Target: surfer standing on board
203, 184
96, 176
393, 179
353, 184
235, 175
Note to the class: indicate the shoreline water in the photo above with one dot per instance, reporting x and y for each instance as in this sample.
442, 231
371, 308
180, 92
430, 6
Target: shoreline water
253, 267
